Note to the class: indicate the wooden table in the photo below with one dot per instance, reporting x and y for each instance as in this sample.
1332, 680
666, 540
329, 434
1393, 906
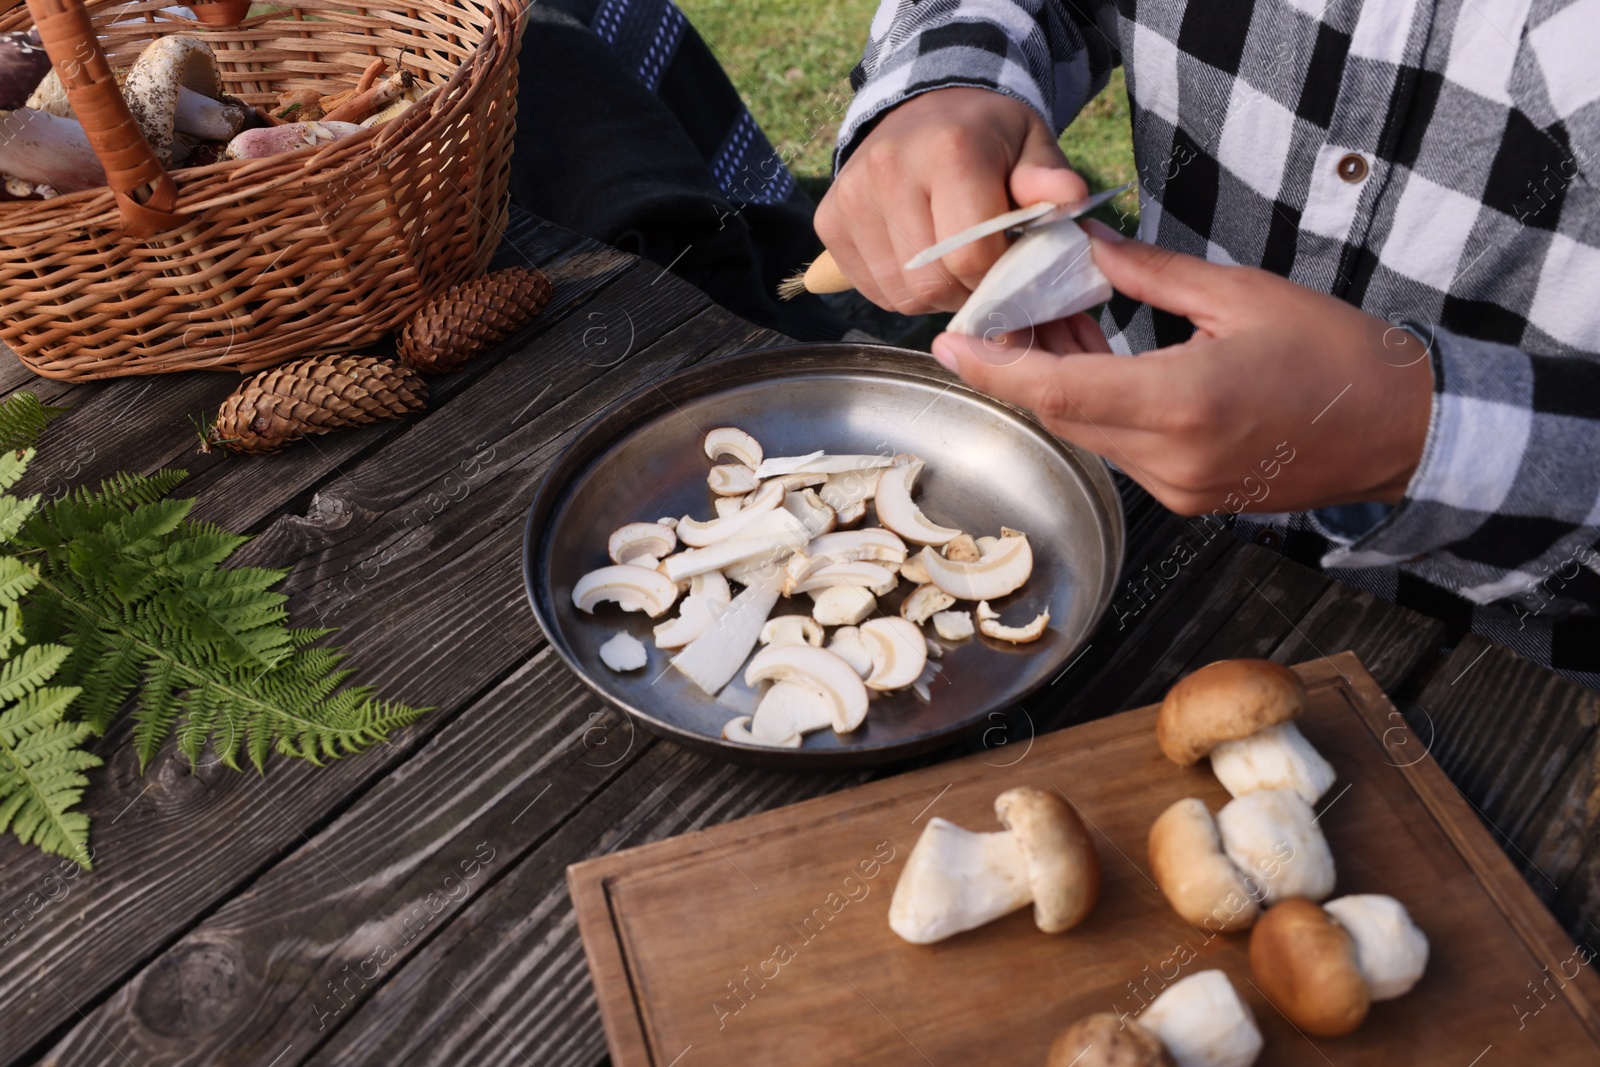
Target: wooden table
409, 905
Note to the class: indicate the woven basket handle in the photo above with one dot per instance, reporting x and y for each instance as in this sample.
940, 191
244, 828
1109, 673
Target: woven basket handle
145, 193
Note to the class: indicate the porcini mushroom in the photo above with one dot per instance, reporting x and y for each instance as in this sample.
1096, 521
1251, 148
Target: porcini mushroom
957, 880
818, 463
993, 576
772, 535
1391, 952
989, 625
154, 92
962, 548
631, 588
896, 510
792, 630
624, 653
924, 602
731, 479
875, 577
698, 534
739, 730
712, 659
914, 572
641, 541
1048, 273
789, 710
842, 605
847, 490
735, 443
1304, 962
953, 625
708, 596
1241, 712
848, 646
807, 506
1273, 836
1203, 1023
819, 671
898, 650
1107, 1039
873, 545
1195, 875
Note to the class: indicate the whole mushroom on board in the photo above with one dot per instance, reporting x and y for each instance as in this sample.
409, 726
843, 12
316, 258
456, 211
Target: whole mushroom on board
957, 880
1203, 1023
1106, 1039
1240, 712
1323, 966
1195, 875
1274, 838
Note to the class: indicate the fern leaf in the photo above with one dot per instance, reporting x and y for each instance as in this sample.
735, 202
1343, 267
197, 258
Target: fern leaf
22, 419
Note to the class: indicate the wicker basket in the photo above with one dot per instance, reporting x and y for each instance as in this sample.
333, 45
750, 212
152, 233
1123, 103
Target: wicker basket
245, 264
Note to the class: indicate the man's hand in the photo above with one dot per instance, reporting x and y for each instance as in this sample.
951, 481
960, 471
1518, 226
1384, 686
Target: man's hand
1271, 364
933, 166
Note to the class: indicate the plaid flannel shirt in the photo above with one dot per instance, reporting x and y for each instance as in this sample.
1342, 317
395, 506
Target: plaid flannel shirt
1465, 210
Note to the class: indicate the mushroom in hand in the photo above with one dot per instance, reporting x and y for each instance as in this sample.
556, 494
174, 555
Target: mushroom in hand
1240, 712
1274, 838
1198, 879
958, 880
1203, 1023
1106, 1039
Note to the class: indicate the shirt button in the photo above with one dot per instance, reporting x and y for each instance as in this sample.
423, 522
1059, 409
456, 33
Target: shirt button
1353, 167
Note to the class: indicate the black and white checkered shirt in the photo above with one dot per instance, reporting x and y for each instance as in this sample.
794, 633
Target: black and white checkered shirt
1434, 163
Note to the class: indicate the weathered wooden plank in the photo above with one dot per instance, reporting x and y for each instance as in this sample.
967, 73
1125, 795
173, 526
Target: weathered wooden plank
513, 957
1393, 642
472, 605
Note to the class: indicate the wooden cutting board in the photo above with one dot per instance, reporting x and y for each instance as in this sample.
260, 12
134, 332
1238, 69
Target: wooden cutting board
766, 940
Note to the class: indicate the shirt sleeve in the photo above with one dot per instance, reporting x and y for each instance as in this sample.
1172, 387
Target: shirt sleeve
1053, 55
1509, 480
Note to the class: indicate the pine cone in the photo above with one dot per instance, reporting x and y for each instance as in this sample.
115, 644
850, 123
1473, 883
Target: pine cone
313, 396
464, 320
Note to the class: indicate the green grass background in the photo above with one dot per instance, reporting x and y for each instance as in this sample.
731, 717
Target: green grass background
791, 62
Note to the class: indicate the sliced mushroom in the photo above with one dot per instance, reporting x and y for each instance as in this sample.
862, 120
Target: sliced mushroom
957, 880
848, 489
727, 505
638, 541
1198, 879
924, 602
668, 521
818, 670
792, 630
818, 463
807, 506
712, 659
734, 442
788, 710
772, 536
730, 479
1241, 713
1003, 571
851, 514
708, 596
875, 577
1273, 837
1391, 952
842, 605
1203, 1023
962, 548
987, 545
914, 572
624, 653
739, 730
1047, 274
794, 482
848, 646
631, 588
898, 650
698, 534
898, 513
953, 625
989, 625
874, 545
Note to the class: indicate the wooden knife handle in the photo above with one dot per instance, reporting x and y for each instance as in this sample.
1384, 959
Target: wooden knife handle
824, 276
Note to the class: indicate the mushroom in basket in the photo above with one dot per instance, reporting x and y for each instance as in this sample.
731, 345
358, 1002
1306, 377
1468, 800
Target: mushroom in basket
958, 880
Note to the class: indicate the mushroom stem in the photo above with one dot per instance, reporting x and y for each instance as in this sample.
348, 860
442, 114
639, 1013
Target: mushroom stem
39, 147
957, 880
361, 104
200, 116
1278, 757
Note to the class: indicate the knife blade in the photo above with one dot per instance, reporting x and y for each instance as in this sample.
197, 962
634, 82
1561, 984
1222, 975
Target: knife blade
1023, 218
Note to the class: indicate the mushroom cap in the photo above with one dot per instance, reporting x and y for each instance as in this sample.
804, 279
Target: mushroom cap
1225, 701
1203, 1023
1104, 1039
1198, 879
1390, 950
166, 65
1304, 962
1273, 837
1063, 869
25, 65
1276, 757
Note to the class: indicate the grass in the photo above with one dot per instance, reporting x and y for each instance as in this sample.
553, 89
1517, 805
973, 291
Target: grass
791, 63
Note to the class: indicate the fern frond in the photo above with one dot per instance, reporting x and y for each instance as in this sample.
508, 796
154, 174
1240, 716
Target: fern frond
23, 418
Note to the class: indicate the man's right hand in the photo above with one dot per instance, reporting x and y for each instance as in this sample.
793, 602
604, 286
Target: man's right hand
933, 166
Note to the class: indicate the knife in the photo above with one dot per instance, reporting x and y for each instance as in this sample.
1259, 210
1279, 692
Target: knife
824, 276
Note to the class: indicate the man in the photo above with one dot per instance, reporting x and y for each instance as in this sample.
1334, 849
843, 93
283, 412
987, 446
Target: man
1409, 186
